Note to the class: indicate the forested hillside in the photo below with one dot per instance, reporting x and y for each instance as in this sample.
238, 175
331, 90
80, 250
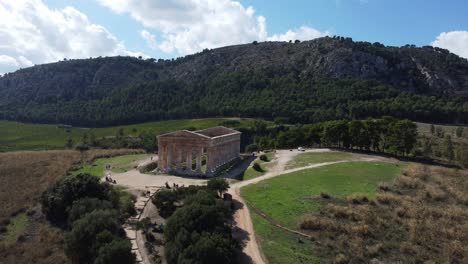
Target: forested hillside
318, 80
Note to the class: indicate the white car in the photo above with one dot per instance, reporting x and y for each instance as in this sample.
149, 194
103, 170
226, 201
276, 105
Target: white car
300, 149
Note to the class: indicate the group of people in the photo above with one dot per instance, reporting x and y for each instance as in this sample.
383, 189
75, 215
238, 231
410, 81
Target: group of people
109, 179
174, 185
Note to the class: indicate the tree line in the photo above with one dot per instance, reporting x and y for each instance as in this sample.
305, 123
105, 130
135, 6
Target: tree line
383, 135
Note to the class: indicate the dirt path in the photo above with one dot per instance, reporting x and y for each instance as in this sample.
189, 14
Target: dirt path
242, 218
244, 230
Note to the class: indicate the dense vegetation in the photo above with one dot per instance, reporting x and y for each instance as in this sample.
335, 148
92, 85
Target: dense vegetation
384, 135
318, 80
93, 212
197, 229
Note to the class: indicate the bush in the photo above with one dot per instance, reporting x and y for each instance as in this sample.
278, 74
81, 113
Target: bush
257, 167
118, 251
91, 232
85, 206
165, 200
58, 199
219, 185
251, 148
197, 233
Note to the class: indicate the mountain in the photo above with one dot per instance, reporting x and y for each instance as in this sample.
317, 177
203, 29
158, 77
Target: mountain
317, 80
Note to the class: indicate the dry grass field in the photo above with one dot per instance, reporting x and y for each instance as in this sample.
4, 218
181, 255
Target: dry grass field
422, 217
24, 175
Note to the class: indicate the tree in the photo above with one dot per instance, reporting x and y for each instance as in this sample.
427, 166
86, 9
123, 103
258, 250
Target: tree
459, 131
374, 128
87, 205
197, 232
58, 199
462, 156
251, 148
165, 202
403, 136
448, 150
82, 148
69, 143
86, 236
119, 251
439, 132
220, 185
427, 146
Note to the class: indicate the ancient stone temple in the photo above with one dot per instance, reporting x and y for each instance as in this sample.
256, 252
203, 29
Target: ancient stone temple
183, 152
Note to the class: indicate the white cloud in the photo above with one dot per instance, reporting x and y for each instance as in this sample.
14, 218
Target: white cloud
455, 41
30, 32
189, 26
149, 38
302, 33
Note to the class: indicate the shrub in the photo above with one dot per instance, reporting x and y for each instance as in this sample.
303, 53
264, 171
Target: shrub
263, 157
318, 224
85, 206
407, 182
251, 148
435, 193
341, 259
91, 232
58, 199
219, 185
357, 199
257, 167
165, 200
197, 233
118, 251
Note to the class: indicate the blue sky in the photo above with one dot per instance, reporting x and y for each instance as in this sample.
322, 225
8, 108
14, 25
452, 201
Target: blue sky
172, 28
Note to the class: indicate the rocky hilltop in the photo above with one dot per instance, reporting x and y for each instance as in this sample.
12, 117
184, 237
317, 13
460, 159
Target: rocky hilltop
321, 79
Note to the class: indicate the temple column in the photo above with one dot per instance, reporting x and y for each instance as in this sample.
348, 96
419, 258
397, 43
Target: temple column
169, 158
210, 161
198, 159
188, 161
178, 157
162, 157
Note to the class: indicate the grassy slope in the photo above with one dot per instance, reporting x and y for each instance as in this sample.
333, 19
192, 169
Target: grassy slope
285, 198
15, 228
306, 159
119, 164
20, 136
250, 173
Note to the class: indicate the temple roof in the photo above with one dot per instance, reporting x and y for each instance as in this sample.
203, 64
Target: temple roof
204, 133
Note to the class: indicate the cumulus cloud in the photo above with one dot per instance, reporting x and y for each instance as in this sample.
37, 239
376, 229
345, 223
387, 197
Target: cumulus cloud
188, 26
455, 41
302, 33
31, 33
149, 38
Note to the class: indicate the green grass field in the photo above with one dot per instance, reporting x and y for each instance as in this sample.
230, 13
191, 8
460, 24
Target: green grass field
119, 164
290, 197
19, 136
15, 228
280, 246
306, 159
